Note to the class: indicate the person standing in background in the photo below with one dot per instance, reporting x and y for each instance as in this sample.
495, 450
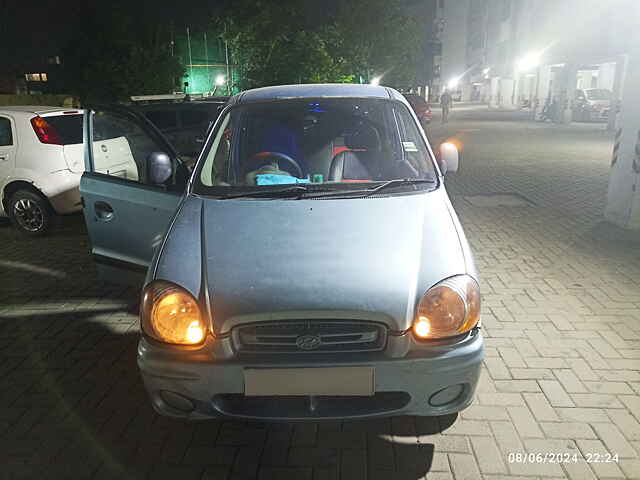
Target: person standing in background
445, 104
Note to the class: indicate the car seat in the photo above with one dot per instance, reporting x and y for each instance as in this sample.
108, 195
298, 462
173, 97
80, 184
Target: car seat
357, 161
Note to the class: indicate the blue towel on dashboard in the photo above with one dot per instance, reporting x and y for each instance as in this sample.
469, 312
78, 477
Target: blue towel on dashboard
274, 179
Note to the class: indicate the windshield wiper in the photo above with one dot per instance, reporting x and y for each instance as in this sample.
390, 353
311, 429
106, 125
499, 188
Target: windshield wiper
371, 191
401, 181
301, 191
292, 191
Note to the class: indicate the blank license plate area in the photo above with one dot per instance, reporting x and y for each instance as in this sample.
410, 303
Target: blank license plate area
334, 381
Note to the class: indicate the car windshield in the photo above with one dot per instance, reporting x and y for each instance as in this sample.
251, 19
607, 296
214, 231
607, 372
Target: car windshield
598, 94
325, 142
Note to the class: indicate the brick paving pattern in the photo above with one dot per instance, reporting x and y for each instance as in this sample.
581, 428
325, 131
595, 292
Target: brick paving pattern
561, 317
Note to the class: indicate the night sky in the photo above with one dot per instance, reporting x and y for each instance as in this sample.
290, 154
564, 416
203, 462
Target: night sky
31, 30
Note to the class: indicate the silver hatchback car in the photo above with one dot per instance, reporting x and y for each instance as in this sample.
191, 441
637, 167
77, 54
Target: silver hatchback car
311, 266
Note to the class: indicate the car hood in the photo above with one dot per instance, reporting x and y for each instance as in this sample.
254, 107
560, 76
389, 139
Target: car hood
363, 258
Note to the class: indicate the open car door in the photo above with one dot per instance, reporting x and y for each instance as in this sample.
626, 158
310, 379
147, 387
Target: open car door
126, 214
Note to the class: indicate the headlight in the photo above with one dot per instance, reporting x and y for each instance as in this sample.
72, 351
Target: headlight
450, 308
170, 314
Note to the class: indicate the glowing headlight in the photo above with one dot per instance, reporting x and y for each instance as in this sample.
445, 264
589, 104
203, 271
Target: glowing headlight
447, 309
170, 314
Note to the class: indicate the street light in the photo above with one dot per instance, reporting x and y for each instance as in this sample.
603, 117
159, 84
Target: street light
220, 80
525, 64
453, 83
528, 62
376, 81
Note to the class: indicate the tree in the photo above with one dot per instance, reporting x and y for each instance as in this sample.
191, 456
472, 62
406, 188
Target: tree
275, 42
381, 38
116, 54
278, 42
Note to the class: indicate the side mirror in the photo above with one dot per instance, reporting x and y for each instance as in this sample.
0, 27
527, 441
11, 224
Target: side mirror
449, 158
159, 168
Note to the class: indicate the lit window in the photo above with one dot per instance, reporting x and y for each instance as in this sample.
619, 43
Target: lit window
32, 77
43, 77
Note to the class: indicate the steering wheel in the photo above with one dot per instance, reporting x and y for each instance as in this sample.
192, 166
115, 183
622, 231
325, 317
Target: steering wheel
262, 158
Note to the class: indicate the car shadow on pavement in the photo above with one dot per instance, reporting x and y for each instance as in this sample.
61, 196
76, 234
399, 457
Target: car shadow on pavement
72, 405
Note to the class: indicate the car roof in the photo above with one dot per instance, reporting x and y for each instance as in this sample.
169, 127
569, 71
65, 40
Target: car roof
176, 105
36, 109
336, 90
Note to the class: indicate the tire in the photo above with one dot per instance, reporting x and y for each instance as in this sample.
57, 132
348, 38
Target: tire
30, 213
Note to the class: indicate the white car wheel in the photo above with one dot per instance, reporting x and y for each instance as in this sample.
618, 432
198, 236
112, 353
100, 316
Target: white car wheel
30, 213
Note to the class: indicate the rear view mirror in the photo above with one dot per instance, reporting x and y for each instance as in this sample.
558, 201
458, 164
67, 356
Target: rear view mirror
449, 158
159, 168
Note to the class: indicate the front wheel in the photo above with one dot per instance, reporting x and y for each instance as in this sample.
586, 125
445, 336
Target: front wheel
30, 213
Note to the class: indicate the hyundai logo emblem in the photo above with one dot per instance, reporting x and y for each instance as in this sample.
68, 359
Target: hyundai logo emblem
308, 342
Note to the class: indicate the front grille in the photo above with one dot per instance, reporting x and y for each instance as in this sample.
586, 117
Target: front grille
300, 408
309, 336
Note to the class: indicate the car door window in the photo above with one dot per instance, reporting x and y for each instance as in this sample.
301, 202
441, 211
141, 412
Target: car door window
217, 163
414, 149
6, 137
163, 119
193, 117
121, 147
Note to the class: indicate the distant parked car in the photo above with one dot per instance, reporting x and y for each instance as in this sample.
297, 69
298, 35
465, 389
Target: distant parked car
420, 106
41, 161
592, 104
185, 124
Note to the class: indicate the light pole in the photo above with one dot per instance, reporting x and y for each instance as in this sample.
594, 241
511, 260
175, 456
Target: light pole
226, 55
536, 99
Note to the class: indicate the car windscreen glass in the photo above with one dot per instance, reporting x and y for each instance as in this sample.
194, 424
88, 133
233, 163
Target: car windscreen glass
68, 128
327, 143
163, 119
193, 117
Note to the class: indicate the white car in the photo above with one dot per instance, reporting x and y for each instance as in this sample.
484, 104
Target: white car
41, 162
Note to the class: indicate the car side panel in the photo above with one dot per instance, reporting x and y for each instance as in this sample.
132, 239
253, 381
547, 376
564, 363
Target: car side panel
139, 220
42, 166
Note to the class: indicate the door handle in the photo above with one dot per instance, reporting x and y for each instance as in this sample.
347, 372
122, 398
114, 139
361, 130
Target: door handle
104, 211
3, 157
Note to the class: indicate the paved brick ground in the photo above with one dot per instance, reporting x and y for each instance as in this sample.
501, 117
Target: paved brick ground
561, 316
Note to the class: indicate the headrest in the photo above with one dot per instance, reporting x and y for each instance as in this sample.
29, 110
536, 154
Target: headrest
363, 137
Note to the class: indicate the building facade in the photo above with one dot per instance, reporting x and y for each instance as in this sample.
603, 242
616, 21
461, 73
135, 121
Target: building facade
510, 53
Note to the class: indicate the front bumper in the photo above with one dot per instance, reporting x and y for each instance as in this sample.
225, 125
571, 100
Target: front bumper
428, 380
